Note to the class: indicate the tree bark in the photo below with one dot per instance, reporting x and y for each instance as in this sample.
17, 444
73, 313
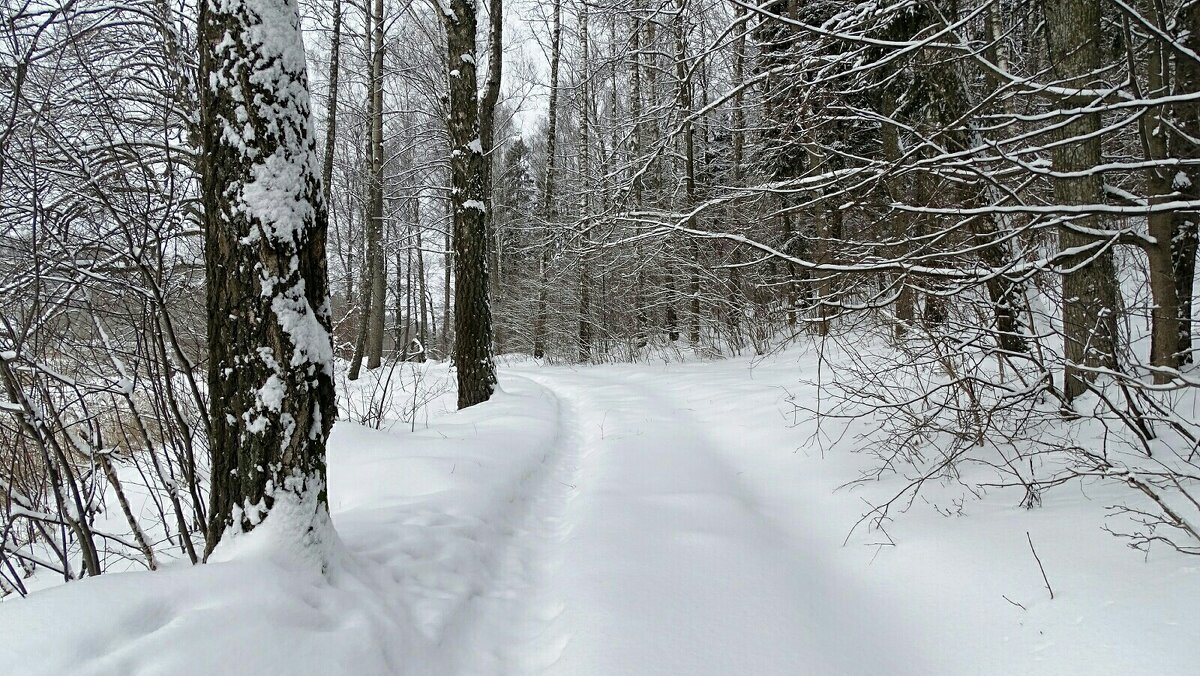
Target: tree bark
684, 93
422, 326
335, 49
637, 143
585, 280
1182, 135
1090, 291
270, 374
472, 313
549, 208
1164, 311
487, 130
371, 240
375, 251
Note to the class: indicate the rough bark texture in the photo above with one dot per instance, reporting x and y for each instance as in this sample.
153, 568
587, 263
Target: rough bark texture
270, 371
1089, 291
472, 313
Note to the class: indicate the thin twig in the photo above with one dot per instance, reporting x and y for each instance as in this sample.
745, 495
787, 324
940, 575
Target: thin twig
1013, 602
1040, 567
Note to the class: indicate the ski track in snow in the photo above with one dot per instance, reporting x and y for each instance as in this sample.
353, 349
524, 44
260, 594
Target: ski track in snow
672, 566
509, 628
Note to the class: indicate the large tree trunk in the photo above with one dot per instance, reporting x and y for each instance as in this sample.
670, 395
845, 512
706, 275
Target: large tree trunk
270, 374
472, 314
1089, 291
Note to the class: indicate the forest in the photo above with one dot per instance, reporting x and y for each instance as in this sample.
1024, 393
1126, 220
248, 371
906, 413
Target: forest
272, 270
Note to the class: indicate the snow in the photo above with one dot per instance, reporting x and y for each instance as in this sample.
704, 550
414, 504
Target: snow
639, 519
474, 204
275, 197
298, 319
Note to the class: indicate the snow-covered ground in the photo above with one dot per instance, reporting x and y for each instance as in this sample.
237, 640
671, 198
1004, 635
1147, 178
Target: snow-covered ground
643, 519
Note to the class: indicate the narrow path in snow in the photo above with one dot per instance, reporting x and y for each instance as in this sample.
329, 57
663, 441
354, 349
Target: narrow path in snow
509, 627
667, 565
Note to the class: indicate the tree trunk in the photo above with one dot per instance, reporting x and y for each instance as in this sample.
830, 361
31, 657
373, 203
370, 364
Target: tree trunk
1182, 137
549, 210
684, 92
366, 304
637, 190
1164, 311
487, 130
422, 327
585, 281
446, 297
739, 97
1089, 292
270, 374
472, 314
335, 49
896, 190
378, 258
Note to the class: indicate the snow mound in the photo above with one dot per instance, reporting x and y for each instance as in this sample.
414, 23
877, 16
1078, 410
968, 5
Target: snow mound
423, 521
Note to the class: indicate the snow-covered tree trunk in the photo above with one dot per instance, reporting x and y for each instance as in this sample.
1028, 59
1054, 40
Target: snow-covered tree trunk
270, 370
472, 312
